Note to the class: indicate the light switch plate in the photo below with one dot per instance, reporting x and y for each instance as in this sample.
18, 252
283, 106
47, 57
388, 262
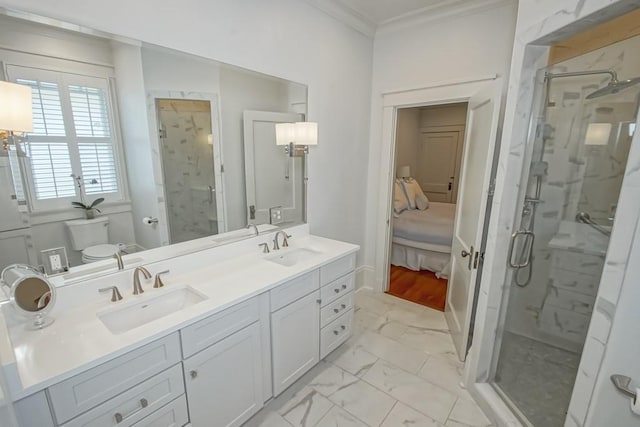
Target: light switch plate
275, 215
55, 261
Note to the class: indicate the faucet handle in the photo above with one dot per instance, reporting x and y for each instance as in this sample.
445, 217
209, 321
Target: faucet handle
115, 293
158, 283
265, 247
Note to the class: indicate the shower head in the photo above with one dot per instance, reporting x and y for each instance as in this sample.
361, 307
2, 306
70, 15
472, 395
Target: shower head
613, 87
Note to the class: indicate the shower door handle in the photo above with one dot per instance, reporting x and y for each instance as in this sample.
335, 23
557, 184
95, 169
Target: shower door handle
529, 238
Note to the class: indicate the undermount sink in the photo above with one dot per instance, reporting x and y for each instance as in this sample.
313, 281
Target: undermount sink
291, 257
130, 317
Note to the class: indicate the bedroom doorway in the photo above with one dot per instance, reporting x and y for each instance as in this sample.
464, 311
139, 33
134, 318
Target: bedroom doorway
471, 210
428, 163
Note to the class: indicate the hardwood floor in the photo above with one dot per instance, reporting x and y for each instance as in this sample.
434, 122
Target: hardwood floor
421, 287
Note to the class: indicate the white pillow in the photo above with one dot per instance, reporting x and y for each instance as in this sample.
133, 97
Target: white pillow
415, 197
400, 203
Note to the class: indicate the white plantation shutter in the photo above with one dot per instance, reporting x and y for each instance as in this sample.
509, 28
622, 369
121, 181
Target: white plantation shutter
72, 135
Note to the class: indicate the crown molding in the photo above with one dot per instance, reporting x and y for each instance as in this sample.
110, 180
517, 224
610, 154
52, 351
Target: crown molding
347, 15
439, 12
368, 26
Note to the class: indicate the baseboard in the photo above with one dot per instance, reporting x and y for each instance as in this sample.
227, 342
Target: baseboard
365, 277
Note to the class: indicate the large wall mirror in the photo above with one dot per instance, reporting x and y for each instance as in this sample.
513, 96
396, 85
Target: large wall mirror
136, 147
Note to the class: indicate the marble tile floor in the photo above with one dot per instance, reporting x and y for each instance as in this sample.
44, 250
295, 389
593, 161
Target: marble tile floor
538, 378
398, 369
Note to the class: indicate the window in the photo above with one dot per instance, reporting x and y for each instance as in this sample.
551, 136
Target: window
72, 136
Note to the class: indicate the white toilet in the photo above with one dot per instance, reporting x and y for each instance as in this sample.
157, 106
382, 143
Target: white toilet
91, 236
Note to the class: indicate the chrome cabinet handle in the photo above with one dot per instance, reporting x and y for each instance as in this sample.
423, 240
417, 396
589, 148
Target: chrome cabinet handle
193, 373
343, 306
119, 417
343, 327
335, 310
344, 286
319, 301
335, 332
336, 290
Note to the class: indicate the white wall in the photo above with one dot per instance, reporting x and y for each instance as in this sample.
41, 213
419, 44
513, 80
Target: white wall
285, 38
407, 139
457, 48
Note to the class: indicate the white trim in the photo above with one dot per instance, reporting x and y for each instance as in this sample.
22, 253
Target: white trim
439, 94
364, 277
348, 16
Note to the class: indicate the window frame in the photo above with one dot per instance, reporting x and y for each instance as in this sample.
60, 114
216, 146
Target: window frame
64, 79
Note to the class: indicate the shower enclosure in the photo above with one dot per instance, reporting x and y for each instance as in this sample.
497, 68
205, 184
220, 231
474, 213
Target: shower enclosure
578, 151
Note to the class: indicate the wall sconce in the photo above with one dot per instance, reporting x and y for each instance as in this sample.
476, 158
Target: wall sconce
16, 114
598, 134
297, 137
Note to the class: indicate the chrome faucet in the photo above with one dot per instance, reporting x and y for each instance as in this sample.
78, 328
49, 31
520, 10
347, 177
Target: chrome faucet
255, 228
118, 258
285, 242
137, 288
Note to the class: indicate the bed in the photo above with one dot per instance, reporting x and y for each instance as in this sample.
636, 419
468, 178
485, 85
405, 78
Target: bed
422, 239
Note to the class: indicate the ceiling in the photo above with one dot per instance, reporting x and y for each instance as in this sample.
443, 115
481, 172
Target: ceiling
367, 16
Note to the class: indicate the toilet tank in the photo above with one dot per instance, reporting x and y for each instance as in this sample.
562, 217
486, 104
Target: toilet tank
88, 232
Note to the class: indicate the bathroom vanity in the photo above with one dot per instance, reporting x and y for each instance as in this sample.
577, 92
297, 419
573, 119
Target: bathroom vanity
232, 328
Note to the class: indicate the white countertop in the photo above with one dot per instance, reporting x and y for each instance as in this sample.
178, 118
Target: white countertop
78, 340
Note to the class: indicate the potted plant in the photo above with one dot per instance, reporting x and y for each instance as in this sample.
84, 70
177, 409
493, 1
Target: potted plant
89, 208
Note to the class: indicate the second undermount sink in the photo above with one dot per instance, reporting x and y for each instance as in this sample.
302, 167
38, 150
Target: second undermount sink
290, 257
130, 317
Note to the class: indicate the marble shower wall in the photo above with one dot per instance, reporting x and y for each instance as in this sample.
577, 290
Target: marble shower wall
187, 162
554, 308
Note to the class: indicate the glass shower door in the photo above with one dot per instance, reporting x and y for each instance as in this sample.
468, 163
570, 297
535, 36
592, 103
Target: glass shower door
187, 168
577, 166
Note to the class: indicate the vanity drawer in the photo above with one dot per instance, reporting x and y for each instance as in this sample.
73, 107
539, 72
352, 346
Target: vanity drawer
337, 288
335, 333
335, 269
136, 403
173, 414
294, 289
87, 390
214, 328
333, 310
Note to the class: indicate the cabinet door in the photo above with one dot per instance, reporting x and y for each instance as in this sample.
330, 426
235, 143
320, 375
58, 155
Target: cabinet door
224, 381
295, 340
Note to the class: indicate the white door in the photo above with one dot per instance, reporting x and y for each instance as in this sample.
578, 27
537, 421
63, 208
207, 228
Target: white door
295, 331
609, 406
438, 157
224, 381
482, 124
272, 178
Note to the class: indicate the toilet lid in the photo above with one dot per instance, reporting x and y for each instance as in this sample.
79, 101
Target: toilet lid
100, 251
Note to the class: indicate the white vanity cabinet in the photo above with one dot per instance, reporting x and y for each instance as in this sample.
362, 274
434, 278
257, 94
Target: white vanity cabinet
224, 381
295, 340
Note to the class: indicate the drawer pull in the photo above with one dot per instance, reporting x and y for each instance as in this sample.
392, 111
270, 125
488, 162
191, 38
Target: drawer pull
319, 301
344, 286
335, 310
343, 327
335, 332
343, 306
336, 290
193, 374
143, 404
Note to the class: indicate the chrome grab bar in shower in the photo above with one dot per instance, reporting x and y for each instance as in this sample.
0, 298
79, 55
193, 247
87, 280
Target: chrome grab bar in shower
529, 238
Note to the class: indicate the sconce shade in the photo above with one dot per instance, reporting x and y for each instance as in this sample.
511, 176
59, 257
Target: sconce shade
598, 134
306, 133
403, 172
285, 133
16, 112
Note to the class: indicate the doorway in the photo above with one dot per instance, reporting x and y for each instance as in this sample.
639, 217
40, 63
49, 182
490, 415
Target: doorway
428, 162
483, 99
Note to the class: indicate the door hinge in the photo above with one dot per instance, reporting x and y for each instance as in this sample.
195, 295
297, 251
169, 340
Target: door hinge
162, 133
492, 188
